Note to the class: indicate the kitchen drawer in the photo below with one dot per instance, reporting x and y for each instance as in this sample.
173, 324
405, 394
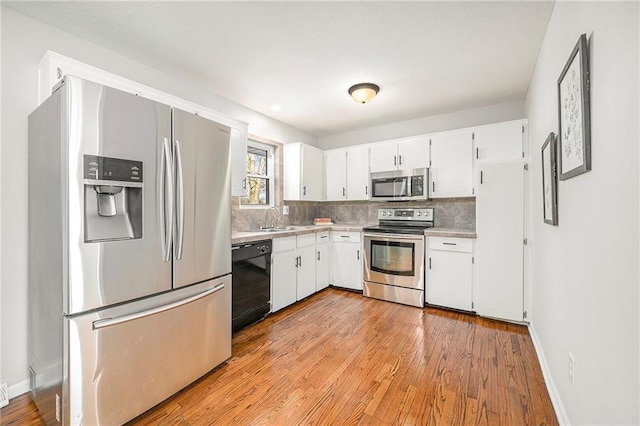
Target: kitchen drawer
463, 245
345, 237
117, 355
322, 237
306, 240
284, 244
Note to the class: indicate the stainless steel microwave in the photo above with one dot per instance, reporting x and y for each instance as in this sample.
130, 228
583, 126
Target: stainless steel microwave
399, 185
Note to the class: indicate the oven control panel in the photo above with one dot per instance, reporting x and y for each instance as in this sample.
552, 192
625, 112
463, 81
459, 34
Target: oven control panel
406, 214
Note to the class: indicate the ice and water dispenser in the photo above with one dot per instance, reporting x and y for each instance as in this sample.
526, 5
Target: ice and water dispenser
112, 199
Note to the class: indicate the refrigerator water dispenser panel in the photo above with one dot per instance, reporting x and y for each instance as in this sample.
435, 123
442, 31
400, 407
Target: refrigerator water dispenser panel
112, 198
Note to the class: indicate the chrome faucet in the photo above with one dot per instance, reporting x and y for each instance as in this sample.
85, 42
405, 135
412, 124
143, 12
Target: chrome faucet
274, 224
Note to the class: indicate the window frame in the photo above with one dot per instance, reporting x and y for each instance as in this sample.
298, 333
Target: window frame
270, 175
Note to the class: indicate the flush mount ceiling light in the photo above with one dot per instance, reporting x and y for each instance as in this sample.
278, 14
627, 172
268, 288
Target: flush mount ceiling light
364, 92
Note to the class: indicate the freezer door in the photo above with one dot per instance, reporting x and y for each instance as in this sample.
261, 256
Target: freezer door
124, 360
101, 121
202, 230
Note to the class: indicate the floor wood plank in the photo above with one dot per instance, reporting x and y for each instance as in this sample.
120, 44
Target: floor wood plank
340, 358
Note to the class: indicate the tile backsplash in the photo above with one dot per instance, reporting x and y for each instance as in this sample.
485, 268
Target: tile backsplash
448, 212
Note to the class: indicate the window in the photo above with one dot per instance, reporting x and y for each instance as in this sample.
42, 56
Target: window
259, 175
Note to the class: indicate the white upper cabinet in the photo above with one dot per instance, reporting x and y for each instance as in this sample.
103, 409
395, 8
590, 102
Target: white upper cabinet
335, 163
303, 172
239, 161
501, 141
451, 171
347, 174
413, 153
403, 154
383, 156
357, 173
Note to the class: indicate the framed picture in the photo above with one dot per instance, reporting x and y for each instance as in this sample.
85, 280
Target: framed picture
574, 116
549, 181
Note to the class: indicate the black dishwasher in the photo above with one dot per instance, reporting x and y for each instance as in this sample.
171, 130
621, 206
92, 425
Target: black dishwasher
251, 285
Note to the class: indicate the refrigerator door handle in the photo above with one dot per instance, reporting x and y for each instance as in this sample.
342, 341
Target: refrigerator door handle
165, 170
180, 201
108, 322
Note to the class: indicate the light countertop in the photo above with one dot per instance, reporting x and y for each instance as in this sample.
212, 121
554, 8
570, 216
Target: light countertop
450, 232
238, 237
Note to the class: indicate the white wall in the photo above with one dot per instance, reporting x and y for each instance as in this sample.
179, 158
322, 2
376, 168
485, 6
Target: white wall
437, 123
24, 42
585, 285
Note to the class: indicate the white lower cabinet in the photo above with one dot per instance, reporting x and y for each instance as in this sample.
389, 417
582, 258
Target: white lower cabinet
346, 260
450, 272
306, 270
323, 261
284, 260
293, 270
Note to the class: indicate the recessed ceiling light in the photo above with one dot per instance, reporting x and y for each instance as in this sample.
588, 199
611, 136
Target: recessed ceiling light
276, 107
364, 92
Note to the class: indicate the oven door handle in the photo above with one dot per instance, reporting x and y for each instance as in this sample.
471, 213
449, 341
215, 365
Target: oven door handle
391, 237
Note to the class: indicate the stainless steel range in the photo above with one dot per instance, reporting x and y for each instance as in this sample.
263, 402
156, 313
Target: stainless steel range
394, 255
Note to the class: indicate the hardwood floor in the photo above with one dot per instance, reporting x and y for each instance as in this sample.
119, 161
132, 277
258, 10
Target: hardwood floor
340, 358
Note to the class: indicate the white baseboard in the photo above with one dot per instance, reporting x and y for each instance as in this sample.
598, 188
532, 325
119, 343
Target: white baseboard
558, 406
18, 389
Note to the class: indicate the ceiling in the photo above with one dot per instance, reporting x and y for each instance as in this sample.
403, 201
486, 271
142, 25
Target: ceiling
427, 57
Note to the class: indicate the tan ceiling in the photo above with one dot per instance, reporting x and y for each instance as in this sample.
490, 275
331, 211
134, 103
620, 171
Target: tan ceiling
428, 57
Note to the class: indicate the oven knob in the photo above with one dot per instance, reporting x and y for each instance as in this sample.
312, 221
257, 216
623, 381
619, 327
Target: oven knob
419, 213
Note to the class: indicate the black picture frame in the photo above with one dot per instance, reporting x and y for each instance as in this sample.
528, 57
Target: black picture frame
549, 181
574, 115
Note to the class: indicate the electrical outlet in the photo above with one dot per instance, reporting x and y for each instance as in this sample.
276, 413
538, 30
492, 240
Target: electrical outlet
571, 369
4, 395
285, 210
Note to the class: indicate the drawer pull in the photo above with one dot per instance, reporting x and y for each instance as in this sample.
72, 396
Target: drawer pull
108, 322
449, 244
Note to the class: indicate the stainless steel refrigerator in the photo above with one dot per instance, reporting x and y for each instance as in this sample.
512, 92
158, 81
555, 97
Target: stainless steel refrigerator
129, 252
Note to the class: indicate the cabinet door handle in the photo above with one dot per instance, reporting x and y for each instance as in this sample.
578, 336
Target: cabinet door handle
299, 260
433, 186
477, 149
244, 184
400, 160
394, 160
481, 177
304, 190
344, 191
429, 263
449, 244
358, 254
318, 255
366, 190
